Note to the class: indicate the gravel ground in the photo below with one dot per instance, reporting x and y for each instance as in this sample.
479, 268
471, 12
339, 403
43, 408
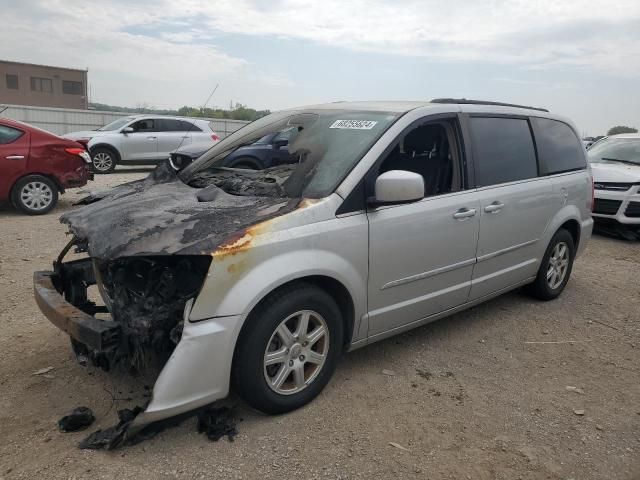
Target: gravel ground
464, 398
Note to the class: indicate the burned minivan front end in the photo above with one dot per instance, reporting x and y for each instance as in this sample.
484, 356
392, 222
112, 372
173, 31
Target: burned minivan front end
143, 304
166, 270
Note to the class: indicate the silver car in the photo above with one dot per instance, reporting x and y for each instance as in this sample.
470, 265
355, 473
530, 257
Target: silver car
395, 215
143, 139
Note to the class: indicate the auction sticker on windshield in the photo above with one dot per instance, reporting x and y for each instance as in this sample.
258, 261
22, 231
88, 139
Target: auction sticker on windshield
354, 124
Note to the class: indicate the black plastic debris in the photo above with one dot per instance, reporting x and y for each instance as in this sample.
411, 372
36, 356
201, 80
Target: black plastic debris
217, 423
111, 437
79, 419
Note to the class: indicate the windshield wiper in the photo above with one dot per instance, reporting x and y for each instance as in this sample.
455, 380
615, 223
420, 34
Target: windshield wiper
630, 162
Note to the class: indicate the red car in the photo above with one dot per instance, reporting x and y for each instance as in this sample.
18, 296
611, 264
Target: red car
36, 165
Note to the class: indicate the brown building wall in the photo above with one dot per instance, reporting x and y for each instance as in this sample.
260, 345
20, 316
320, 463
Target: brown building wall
42, 86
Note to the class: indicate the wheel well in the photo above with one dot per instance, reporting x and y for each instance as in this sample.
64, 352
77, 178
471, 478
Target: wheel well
337, 291
247, 160
107, 147
573, 227
55, 181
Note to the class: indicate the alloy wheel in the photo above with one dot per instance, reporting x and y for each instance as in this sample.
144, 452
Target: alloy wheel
558, 265
102, 161
296, 352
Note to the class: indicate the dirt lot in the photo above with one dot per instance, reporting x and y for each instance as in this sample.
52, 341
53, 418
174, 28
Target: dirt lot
469, 398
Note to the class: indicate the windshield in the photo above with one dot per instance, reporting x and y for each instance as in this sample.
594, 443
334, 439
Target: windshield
310, 154
115, 125
612, 150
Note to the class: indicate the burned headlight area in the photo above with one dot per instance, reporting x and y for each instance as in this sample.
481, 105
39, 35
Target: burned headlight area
145, 297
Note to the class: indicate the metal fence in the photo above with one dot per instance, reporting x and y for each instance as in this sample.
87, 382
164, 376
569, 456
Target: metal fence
65, 120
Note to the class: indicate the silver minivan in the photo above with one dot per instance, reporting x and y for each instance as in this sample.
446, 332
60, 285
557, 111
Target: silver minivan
396, 214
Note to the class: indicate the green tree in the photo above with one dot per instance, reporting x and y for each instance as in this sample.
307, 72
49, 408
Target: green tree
621, 129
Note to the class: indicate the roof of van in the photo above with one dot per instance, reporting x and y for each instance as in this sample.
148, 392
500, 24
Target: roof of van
405, 106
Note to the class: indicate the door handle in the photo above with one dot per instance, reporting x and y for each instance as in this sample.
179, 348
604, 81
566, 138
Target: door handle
151, 138
15, 157
494, 207
464, 213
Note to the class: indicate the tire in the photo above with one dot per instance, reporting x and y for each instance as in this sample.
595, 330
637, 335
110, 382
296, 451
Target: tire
103, 160
545, 288
246, 163
34, 195
307, 362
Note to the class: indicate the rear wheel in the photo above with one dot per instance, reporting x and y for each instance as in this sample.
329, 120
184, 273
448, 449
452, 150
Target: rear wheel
555, 269
103, 159
288, 350
35, 195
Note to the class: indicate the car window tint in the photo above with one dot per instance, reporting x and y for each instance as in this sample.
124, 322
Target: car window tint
168, 125
8, 134
188, 126
144, 125
503, 150
559, 148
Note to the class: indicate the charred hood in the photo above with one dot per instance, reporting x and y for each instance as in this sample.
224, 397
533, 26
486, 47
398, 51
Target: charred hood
161, 215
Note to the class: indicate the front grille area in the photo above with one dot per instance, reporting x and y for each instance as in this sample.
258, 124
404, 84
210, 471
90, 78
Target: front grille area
606, 207
633, 210
618, 187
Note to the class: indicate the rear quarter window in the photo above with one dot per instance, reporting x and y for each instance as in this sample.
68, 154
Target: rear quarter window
503, 150
559, 148
8, 134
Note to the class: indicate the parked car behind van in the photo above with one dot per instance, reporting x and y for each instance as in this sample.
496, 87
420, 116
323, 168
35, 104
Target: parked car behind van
396, 214
143, 140
615, 162
266, 152
36, 166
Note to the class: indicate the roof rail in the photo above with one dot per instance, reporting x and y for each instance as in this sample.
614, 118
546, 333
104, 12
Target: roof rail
464, 101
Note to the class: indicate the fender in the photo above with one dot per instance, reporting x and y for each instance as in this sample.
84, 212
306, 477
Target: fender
217, 299
567, 213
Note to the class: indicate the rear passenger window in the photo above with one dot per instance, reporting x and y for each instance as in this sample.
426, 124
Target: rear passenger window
558, 146
503, 150
188, 127
8, 134
168, 125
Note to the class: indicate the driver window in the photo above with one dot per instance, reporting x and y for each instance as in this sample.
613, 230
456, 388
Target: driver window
428, 150
144, 125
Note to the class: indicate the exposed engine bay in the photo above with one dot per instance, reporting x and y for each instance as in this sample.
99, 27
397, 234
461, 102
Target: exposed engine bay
150, 245
145, 298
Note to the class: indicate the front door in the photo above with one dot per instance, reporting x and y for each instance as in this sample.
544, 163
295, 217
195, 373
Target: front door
421, 255
142, 143
14, 155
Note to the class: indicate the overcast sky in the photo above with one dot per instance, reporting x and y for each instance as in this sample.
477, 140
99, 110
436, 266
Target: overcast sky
577, 58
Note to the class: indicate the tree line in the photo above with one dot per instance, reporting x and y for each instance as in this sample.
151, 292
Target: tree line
238, 112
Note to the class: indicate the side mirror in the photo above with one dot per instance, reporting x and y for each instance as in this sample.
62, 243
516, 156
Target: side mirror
126, 130
280, 143
398, 186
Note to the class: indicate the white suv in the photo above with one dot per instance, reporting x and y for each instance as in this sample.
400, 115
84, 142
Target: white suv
143, 139
615, 162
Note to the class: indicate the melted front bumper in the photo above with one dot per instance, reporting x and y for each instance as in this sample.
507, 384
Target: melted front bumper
99, 335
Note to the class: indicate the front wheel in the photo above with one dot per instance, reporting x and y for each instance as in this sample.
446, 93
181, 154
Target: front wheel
104, 160
288, 349
555, 269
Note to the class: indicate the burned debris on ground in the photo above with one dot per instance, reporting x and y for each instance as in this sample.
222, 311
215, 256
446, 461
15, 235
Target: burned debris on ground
79, 419
112, 437
217, 422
